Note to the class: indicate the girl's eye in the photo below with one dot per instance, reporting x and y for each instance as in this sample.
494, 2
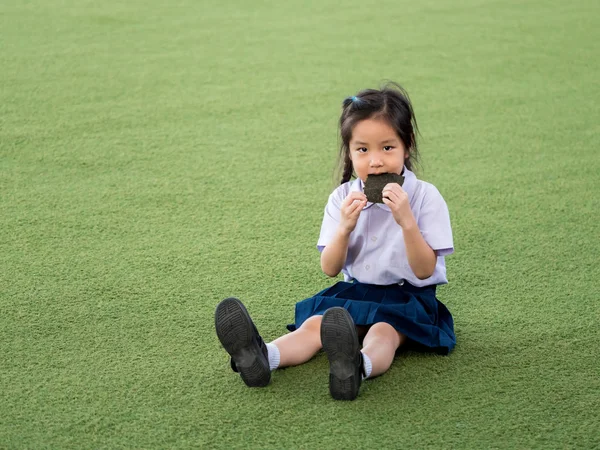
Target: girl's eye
361, 150
387, 148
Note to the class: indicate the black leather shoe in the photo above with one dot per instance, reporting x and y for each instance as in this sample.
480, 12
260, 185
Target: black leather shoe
240, 338
340, 343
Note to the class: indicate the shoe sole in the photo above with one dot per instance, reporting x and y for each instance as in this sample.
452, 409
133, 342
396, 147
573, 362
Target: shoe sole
340, 343
235, 330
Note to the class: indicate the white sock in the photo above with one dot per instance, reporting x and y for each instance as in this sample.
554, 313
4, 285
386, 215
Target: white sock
273, 352
368, 366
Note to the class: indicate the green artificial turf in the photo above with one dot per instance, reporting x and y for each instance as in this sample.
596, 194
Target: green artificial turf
156, 157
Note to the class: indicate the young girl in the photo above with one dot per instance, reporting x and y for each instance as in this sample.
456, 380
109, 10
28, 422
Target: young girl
391, 255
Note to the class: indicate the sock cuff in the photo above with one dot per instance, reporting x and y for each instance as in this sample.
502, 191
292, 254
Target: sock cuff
367, 365
274, 356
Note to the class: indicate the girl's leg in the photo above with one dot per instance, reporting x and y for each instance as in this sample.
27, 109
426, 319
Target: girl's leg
301, 345
380, 345
250, 356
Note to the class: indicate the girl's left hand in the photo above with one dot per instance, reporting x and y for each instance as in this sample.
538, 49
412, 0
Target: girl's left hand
396, 199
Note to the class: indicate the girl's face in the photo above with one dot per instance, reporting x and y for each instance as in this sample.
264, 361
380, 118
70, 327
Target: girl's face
376, 148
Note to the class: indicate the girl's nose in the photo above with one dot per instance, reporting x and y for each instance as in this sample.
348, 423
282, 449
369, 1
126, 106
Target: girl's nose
375, 162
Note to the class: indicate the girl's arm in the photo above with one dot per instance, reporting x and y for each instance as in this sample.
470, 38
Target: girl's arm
421, 257
334, 254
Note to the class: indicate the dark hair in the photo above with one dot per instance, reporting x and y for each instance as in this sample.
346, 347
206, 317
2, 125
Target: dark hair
392, 104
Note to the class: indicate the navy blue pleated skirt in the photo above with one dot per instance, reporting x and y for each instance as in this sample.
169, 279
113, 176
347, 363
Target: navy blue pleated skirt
411, 310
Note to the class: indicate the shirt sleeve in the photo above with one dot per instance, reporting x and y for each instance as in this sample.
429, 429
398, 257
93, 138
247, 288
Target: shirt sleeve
331, 218
434, 223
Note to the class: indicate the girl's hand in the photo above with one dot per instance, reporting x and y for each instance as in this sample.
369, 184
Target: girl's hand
350, 210
397, 199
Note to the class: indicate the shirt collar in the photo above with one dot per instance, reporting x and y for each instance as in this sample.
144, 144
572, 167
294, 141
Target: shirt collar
409, 186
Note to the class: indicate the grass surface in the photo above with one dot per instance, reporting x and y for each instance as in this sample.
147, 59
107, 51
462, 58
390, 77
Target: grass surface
156, 157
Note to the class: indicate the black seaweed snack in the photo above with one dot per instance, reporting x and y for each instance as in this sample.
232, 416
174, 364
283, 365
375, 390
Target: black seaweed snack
375, 184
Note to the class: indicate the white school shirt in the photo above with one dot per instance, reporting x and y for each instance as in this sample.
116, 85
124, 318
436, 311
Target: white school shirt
376, 250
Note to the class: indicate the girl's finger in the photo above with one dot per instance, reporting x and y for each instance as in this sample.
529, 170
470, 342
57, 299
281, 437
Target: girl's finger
359, 205
390, 195
351, 198
393, 187
348, 210
355, 195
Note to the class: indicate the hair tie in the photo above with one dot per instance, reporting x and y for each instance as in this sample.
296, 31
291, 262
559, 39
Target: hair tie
349, 100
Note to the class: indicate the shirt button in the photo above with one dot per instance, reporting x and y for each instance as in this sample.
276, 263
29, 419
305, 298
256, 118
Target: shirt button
367, 267
374, 238
401, 283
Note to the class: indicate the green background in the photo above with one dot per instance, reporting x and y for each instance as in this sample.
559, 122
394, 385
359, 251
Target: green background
156, 157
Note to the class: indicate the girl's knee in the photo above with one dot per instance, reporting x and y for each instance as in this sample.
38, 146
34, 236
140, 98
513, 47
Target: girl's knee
312, 324
385, 331
382, 328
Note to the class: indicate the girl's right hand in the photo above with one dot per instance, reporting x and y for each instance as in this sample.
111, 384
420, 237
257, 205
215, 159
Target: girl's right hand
350, 209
